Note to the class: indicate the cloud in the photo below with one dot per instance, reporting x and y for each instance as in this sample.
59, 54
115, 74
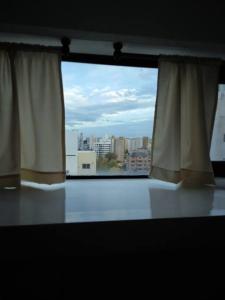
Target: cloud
74, 97
97, 91
101, 97
107, 107
105, 96
109, 119
94, 112
130, 130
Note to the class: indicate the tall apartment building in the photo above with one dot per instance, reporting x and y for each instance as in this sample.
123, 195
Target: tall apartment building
134, 144
81, 139
217, 152
92, 141
126, 144
113, 144
103, 146
145, 142
71, 152
120, 148
86, 144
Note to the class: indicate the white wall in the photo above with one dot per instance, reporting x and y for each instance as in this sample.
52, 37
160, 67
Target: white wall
87, 157
71, 142
71, 165
71, 152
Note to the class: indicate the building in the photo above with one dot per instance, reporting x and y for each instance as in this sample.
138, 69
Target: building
92, 141
134, 144
86, 144
138, 161
126, 144
71, 152
145, 142
113, 144
81, 140
103, 146
120, 148
86, 163
217, 152
149, 145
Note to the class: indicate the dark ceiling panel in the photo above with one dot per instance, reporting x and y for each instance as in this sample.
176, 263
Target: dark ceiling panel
190, 21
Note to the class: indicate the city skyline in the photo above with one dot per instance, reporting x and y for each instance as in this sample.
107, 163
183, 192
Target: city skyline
106, 155
105, 134
115, 100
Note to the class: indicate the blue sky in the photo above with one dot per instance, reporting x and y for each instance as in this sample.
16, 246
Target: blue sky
102, 99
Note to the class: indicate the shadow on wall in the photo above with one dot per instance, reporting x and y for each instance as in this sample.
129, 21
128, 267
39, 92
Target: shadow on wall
182, 202
32, 206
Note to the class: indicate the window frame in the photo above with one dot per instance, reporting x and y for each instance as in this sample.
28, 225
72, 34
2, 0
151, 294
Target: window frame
219, 166
145, 61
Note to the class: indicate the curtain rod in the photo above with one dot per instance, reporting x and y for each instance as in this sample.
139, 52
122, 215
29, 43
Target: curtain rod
64, 49
122, 58
117, 56
29, 47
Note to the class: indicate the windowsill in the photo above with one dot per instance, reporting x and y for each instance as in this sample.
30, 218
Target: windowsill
107, 177
79, 201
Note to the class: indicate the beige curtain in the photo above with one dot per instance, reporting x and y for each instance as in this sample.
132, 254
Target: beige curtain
9, 125
185, 110
31, 118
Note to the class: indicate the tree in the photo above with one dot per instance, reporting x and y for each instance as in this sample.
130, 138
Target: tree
107, 162
111, 156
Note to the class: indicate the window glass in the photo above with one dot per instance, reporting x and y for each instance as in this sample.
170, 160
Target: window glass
109, 118
217, 152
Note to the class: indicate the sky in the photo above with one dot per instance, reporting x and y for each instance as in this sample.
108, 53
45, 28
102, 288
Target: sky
112, 100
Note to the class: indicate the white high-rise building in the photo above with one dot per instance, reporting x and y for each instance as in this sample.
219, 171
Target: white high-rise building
71, 152
92, 142
81, 140
217, 152
103, 146
134, 144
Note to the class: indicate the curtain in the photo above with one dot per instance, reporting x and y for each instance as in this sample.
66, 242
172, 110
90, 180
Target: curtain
9, 126
31, 118
184, 117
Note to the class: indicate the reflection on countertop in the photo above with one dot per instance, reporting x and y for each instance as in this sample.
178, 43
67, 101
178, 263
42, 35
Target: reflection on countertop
32, 204
182, 202
108, 200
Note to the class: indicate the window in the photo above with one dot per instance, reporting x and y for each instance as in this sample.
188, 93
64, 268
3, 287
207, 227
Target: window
218, 138
86, 166
217, 152
109, 118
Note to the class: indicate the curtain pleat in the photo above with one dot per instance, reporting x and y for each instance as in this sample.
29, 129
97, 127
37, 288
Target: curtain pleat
9, 125
32, 121
41, 117
185, 110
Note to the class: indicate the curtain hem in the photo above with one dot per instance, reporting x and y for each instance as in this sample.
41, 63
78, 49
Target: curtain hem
43, 177
10, 181
188, 177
